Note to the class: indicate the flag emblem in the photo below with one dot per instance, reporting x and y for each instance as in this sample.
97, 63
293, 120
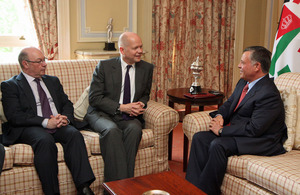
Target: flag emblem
286, 55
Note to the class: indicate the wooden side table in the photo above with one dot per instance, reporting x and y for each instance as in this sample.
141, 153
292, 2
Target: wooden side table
177, 96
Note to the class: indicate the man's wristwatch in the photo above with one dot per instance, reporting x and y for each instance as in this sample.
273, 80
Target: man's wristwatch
220, 131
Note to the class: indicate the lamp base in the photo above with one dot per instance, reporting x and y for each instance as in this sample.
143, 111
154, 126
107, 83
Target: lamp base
195, 90
110, 46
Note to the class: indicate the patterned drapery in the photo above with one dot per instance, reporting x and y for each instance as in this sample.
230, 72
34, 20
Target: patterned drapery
182, 30
44, 15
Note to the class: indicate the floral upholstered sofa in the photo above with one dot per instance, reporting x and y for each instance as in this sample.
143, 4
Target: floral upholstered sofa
249, 174
19, 175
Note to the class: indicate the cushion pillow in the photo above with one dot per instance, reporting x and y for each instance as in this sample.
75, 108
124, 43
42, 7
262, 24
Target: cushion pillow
81, 106
289, 98
297, 133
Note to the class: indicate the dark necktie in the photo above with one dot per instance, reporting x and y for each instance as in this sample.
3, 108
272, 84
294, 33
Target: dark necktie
126, 95
244, 92
46, 110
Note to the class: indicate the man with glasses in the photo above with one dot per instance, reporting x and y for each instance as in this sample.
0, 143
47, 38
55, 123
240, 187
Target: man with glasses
39, 113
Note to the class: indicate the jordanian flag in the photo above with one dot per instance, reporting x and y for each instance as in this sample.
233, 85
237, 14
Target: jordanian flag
286, 51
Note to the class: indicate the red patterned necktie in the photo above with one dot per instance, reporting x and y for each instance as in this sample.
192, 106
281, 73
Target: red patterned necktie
244, 92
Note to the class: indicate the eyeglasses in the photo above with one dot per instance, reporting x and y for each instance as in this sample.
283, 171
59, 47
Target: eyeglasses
38, 62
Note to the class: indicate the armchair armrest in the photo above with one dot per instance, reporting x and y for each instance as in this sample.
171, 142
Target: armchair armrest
195, 122
161, 119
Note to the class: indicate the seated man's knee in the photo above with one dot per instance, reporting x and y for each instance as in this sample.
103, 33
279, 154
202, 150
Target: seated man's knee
114, 131
227, 145
45, 143
135, 128
216, 143
200, 136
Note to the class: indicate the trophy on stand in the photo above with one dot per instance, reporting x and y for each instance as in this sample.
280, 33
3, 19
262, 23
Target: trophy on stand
109, 45
196, 68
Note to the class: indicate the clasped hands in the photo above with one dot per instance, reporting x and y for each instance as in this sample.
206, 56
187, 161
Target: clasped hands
216, 124
133, 109
57, 121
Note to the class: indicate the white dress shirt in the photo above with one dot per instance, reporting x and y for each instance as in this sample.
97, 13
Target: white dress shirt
33, 86
132, 80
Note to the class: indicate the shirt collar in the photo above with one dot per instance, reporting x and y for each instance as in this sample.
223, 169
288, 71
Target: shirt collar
250, 85
28, 77
124, 64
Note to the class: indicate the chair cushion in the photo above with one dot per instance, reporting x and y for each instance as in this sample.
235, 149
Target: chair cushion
297, 132
9, 159
81, 106
93, 139
289, 98
238, 165
280, 174
23, 153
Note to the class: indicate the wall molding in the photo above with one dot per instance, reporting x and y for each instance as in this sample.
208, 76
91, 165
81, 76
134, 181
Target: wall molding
239, 38
85, 34
63, 29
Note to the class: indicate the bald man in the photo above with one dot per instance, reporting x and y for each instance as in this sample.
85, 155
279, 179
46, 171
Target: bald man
118, 97
39, 114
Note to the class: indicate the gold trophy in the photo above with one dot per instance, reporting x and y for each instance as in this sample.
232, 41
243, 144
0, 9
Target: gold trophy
196, 68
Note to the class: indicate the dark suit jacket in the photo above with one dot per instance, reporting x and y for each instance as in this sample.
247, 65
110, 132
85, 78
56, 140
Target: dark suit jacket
20, 107
258, 123
106, 86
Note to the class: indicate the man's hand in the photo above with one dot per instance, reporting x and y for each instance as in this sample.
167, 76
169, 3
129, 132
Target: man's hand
216, 124
57, 121
63, 120
133, 109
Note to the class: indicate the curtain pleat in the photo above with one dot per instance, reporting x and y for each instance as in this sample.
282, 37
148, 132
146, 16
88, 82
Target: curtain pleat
44, 15
182, 30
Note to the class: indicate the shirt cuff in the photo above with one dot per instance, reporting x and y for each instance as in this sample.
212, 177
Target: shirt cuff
45, 122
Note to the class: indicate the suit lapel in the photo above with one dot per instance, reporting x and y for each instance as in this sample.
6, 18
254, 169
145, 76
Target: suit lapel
253, 91
52, 92
24, 85
116, 73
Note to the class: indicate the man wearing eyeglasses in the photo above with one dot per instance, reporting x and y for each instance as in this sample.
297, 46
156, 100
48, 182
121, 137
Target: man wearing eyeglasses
39, 113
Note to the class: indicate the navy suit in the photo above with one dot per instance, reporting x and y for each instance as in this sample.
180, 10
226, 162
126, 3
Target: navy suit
256, 127
119, 139
25, 126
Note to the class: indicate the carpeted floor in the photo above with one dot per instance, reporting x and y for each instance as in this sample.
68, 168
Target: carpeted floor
176, 164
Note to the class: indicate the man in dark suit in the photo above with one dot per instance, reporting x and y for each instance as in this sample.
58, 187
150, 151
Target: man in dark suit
2, 155
39, 113
254, 126
115, 111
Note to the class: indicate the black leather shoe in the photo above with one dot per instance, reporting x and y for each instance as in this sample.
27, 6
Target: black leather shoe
85, 191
